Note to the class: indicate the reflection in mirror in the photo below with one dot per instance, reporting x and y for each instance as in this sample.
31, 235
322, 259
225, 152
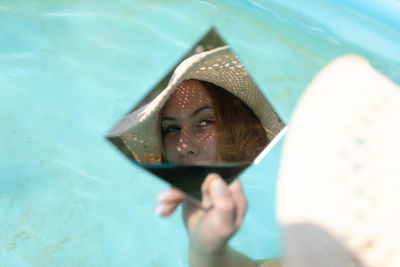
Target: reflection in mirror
209, 117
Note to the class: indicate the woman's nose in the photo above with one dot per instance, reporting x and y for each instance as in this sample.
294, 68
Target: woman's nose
187, 142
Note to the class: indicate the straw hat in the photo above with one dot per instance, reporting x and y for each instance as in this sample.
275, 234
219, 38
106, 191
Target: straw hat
139, 131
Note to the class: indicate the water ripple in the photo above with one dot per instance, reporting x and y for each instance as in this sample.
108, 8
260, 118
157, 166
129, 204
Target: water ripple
77, 170
66, 14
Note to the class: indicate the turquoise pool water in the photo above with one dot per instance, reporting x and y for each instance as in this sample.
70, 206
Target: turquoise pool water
69, 70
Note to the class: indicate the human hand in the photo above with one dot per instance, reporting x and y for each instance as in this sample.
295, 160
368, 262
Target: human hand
209, 230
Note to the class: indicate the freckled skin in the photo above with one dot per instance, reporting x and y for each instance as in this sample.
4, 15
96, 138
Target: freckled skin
188, 125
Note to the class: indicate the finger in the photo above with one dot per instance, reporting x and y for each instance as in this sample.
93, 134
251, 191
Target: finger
205, 191
191, 215
169, 201
171, 195
223, 204
239, 199
165, 209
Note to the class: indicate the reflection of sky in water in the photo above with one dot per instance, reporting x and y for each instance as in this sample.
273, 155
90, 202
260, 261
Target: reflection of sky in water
69, 70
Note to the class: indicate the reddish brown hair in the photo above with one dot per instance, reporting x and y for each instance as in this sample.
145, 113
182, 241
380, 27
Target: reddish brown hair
240, 134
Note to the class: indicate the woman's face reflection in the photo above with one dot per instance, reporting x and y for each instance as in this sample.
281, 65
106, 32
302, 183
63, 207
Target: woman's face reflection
188, 125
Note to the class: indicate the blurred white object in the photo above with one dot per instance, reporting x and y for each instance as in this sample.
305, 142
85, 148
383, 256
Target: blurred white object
338, 191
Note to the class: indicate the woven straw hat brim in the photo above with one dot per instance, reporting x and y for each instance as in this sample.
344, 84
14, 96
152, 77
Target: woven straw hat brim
139, 130
339, 174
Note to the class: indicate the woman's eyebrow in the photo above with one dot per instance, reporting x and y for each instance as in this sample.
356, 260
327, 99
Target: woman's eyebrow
197, 111
194, 113
168, 119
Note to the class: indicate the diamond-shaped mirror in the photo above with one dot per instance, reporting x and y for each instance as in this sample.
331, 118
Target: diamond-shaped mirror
206, 115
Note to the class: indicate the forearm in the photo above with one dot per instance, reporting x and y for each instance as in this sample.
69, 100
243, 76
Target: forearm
224, 258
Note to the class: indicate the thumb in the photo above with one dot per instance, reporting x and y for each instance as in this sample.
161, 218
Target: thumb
223, 203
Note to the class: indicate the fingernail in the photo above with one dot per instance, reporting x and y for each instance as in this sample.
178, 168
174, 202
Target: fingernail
162, 196
159, 209
219, 187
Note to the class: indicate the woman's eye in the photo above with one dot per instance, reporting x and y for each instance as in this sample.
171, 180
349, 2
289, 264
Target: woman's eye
171, 129
206, 122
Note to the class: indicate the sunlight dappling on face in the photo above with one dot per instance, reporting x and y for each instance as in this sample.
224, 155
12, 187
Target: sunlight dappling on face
188, 125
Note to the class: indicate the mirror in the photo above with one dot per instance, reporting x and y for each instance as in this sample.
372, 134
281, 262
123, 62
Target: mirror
206, 115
